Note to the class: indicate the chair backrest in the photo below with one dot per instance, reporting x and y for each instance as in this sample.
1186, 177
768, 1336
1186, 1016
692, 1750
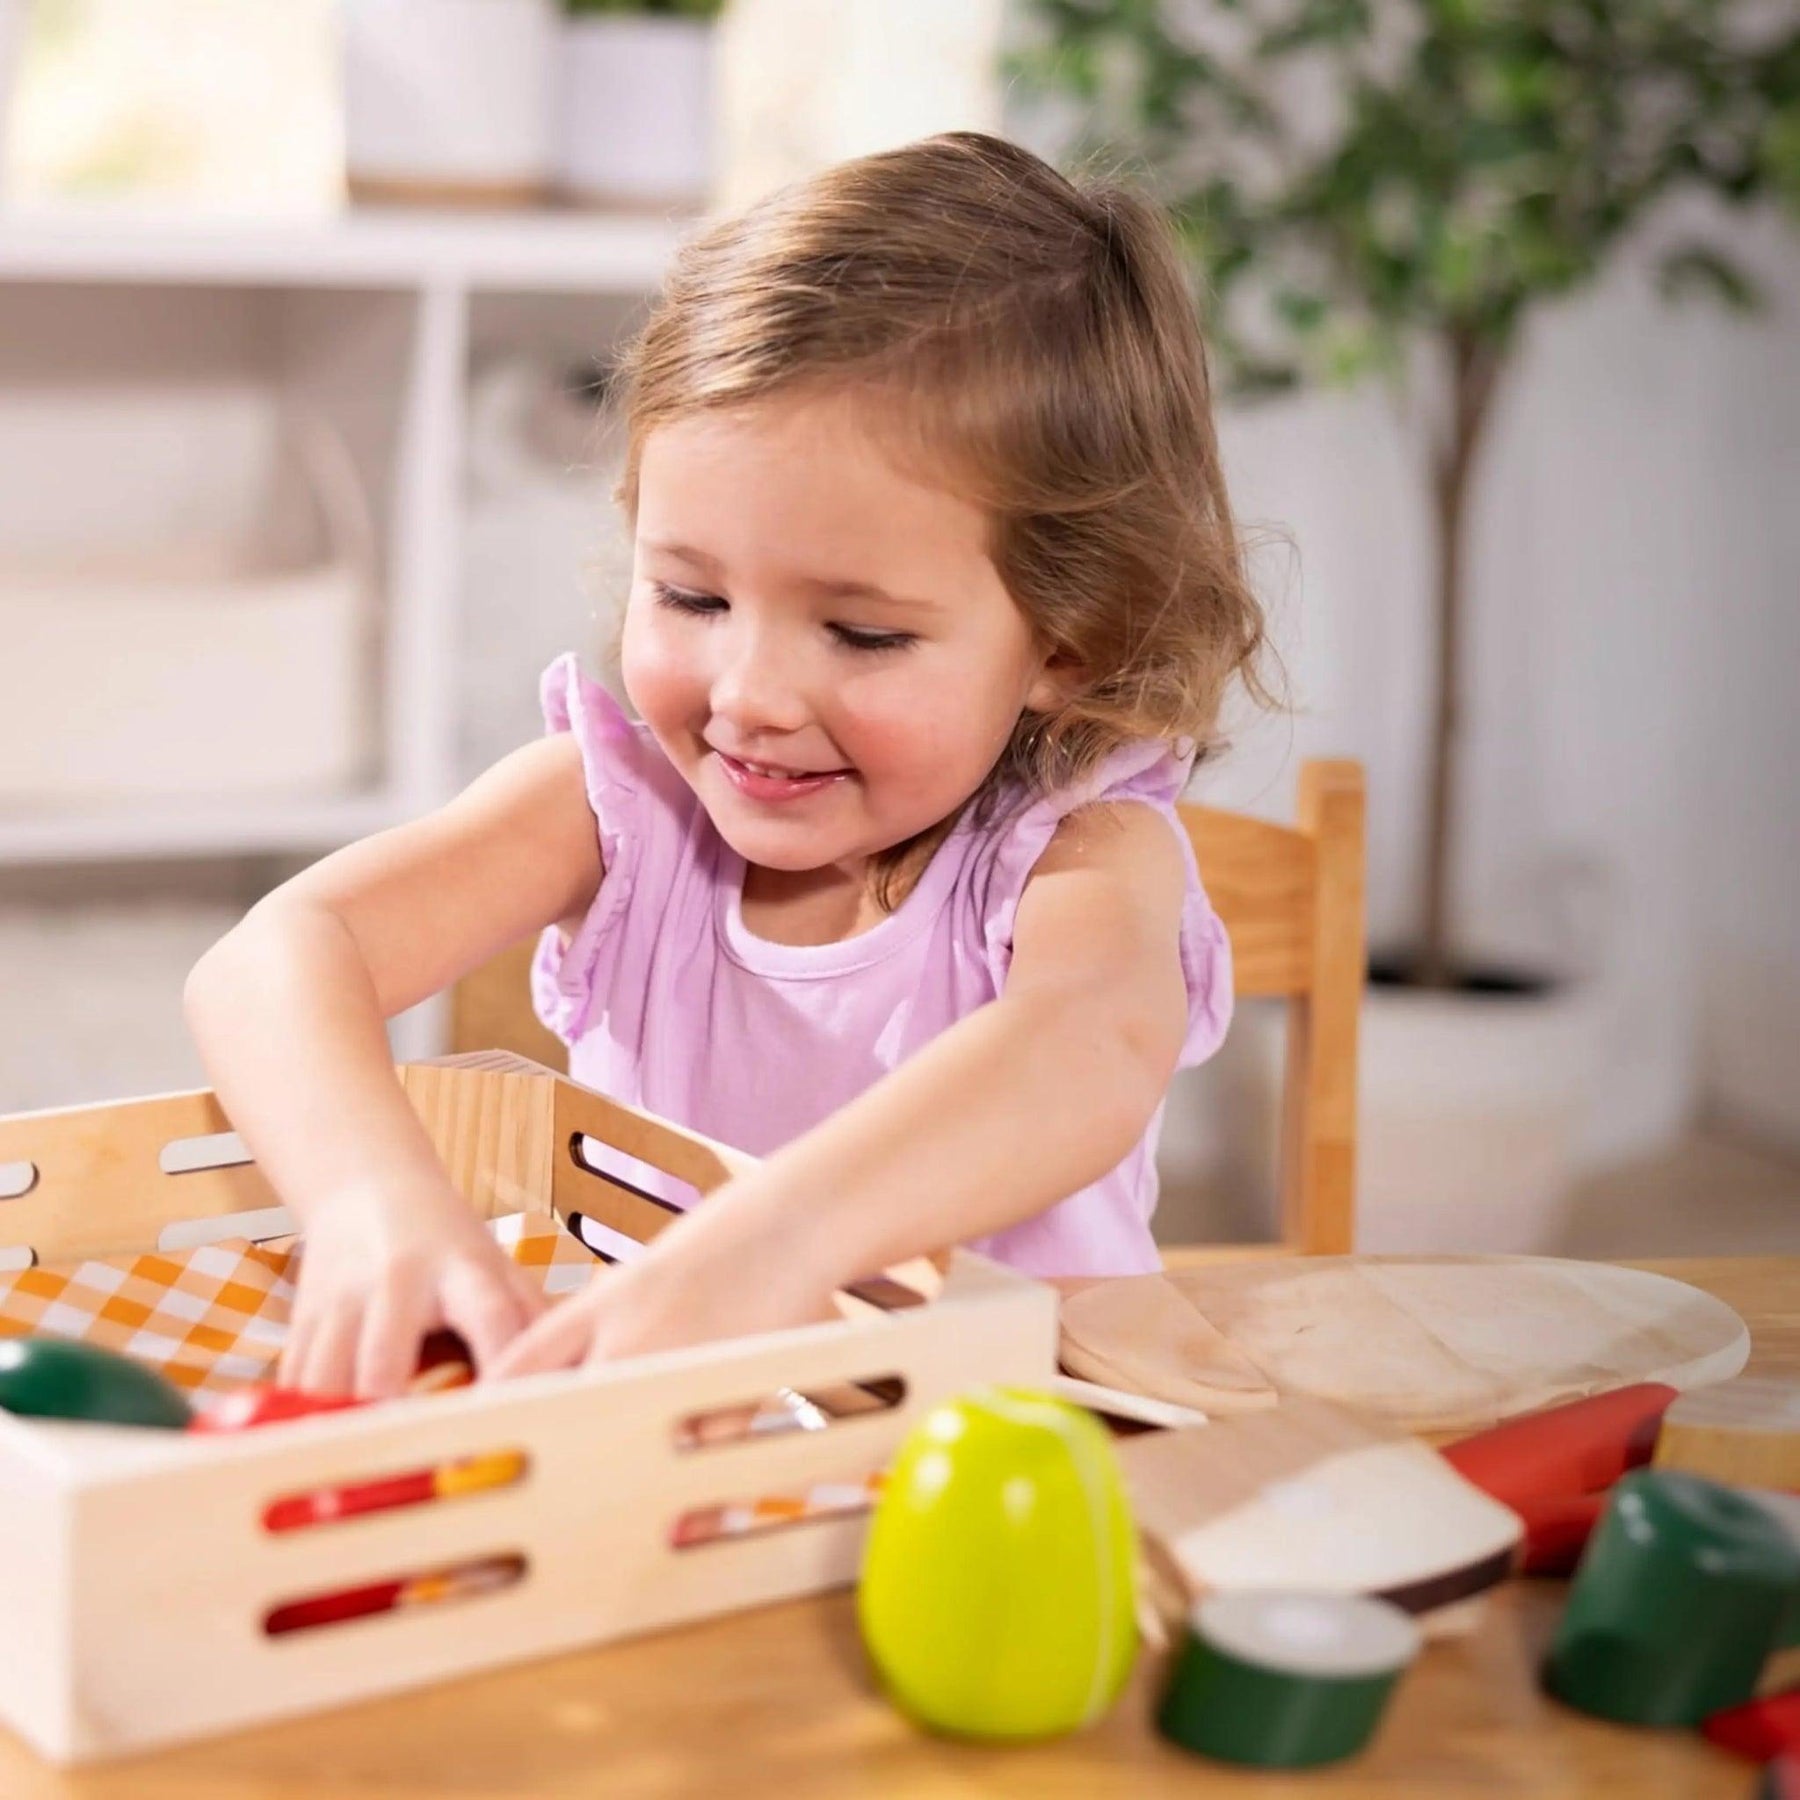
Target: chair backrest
1292, 899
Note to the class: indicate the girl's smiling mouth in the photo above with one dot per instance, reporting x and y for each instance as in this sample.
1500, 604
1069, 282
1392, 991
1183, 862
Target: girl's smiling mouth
769, 781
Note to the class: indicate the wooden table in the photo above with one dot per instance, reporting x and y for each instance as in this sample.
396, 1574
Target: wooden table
777, 1703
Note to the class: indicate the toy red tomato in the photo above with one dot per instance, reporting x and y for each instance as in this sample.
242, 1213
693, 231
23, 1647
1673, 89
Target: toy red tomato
254, 1406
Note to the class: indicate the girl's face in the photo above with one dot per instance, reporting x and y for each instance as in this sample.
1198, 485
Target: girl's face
819, 643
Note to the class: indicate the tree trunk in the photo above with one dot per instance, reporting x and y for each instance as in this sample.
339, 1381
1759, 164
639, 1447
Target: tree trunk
1474, 368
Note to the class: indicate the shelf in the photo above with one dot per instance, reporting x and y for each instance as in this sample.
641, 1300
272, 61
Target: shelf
543, 252
236, 828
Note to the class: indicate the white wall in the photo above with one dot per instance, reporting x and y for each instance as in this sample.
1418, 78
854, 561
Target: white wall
1636, 648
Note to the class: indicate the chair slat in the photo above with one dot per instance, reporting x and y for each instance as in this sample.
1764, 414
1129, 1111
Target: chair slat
1261, 880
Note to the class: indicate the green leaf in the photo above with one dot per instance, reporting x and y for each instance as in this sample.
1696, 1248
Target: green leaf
1780, 150
1303, 312
1696, 271
1484, 157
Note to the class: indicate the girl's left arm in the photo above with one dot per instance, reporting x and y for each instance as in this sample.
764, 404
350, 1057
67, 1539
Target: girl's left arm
1007, 1112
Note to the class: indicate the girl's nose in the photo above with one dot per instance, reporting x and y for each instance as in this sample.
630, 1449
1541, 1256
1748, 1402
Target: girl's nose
756, 686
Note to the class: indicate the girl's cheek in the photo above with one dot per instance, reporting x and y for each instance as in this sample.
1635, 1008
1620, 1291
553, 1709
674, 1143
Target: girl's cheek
914, 722
657, 672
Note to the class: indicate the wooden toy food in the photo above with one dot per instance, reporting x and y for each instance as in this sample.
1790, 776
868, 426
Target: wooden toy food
1745, 1431
253, 1406
1554, 1468
54, 1378
996, 1597
1581, 1447
1682, 1595
1311, 1498
1280, 1680
1426, 1343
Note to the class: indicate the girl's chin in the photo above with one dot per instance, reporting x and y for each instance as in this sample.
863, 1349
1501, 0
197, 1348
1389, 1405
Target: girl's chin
789, 852
790, 845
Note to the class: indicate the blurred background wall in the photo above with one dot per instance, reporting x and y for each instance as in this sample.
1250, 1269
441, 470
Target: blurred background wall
1629, 808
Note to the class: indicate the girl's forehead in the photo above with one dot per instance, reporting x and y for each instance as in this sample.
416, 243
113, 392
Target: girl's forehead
844, 433
814, 480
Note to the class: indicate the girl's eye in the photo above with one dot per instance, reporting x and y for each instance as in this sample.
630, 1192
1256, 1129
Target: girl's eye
707, 606
684, 601
852, 639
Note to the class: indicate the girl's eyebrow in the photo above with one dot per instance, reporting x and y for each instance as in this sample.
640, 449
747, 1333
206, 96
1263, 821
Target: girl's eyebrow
824, 586
681, 552
863, 590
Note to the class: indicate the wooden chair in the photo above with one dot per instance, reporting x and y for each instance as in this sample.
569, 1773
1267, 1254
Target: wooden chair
1291, 898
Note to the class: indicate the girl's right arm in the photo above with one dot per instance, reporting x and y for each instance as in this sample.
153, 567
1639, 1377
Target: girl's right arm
288, 1011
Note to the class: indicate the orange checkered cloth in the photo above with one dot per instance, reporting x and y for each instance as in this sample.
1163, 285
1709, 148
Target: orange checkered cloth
214, 1318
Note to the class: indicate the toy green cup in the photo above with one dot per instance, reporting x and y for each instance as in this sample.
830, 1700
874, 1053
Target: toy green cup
997, 1588
1684, 1591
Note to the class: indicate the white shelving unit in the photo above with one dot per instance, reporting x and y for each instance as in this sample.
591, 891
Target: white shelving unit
372, 319
564, 253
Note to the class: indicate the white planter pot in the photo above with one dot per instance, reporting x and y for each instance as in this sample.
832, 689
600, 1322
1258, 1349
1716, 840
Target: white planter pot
636, 126
1473, 1109
1471, 1118
449, 100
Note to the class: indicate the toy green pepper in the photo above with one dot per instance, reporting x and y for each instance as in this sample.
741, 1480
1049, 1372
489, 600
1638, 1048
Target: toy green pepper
997, 1597
55, 1378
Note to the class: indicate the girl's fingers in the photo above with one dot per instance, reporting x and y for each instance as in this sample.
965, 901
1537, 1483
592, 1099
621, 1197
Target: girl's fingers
490, 1314
530, 1289
387, 1351
294, 1351
558, 1340
328, 1363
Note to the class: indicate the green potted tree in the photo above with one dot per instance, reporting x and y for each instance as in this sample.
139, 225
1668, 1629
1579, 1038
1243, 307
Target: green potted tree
1395, 192
635, 122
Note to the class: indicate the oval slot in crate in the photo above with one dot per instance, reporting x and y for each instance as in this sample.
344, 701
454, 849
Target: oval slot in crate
457, 1480
451, 1582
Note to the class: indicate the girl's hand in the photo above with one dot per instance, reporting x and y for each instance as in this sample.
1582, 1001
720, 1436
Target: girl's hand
378, 1271
687, 1290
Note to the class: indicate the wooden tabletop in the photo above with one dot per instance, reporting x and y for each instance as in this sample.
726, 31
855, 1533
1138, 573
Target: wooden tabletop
777, 1703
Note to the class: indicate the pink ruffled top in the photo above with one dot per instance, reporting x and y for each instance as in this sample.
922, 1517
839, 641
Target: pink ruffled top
668, 1002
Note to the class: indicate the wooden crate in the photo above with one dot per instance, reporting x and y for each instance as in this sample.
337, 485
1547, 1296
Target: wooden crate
136, 1573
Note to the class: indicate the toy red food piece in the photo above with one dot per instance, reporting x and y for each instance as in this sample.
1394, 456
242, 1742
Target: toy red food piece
1580, 1448
451, 1480
445, 1361
432, 1587
325, 1505
1760, 1729
1556, 1532
253, 1406
332, 1609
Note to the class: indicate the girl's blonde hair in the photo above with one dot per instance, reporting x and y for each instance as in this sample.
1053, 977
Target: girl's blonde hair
1030, 344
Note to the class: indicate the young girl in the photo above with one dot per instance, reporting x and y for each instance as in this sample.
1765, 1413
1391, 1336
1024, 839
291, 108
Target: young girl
936, 591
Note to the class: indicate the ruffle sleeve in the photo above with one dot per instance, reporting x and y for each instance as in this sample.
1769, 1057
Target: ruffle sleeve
614, 769
1152, 775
